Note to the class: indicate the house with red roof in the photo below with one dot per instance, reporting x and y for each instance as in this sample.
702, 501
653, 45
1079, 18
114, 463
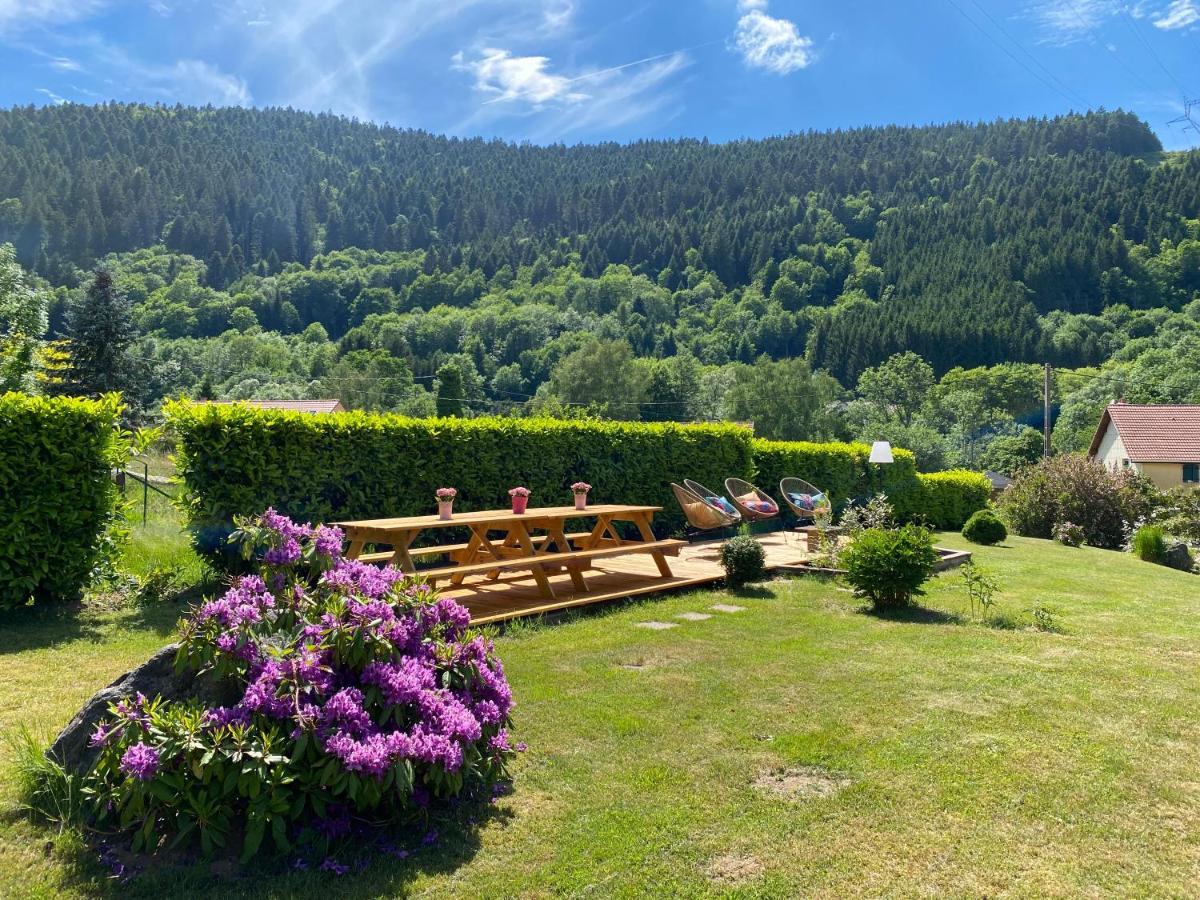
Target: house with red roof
1161, 442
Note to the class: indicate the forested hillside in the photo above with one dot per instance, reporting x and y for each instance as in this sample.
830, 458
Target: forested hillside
279, 253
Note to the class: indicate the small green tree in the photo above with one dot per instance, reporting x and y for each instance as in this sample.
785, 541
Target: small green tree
450, 390
100, 331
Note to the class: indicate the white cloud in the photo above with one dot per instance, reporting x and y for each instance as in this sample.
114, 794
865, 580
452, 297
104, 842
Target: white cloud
766, 42
1064, 22
199, 82
183, 81
54, 98
1180, 14
591, 100
557, 15
17, 14
517, 78
63, 64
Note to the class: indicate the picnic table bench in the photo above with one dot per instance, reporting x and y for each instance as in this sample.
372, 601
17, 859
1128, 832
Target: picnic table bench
516, 548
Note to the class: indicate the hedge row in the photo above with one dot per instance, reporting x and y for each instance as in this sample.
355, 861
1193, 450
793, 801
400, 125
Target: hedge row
948, 498
236, 460
56, 455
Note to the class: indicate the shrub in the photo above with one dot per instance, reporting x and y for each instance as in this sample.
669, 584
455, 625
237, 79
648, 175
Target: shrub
889, 566
361, 695
984, 527
1068, 534
743, 559
840, 470
60, 503
1072, 488
235, 460
949, 498
1150, 544
875, 513
1178, 513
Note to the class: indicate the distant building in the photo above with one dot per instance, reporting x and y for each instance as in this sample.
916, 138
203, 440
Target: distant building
304, 406
1161, 442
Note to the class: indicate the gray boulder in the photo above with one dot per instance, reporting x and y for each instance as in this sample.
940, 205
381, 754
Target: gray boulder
155, 677
1179, 556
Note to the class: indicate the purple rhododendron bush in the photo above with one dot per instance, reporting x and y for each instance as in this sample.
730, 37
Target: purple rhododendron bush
363, 696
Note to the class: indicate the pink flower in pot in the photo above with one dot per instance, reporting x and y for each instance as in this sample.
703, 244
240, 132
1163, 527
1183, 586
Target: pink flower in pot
580, 490
445, 501
520, 499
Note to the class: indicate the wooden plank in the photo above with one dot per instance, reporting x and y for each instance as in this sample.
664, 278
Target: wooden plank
494, 515
534, 562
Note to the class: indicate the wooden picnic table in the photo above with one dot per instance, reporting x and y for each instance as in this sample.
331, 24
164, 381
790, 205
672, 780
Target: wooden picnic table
519, 548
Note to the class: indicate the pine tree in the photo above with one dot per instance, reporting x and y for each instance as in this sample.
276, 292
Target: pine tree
100, 334
450, 390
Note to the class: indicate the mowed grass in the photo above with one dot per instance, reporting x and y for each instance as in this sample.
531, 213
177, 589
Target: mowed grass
977, 760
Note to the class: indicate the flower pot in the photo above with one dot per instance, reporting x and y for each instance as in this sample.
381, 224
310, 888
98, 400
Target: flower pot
581, 501
519, 504
445, 509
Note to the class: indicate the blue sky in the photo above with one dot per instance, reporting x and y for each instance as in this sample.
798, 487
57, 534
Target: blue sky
588, 70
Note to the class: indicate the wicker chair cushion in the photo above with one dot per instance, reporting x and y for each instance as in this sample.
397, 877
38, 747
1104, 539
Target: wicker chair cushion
803, 501
722, 504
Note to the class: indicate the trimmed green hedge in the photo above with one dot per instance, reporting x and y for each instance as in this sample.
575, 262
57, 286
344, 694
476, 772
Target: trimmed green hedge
56, 455
949, 498
236, 460
840, 470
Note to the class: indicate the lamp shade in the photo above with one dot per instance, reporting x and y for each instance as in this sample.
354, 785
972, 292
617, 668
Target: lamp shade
881, 452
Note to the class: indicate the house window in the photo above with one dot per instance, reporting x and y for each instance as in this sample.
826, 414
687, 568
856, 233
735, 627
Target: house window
1125, 464
1191, 473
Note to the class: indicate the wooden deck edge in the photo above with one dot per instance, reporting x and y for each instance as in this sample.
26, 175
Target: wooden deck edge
575, 600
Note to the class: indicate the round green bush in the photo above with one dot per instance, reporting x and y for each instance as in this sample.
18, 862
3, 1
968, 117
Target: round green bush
889, 566
984, 527
1150, 544
743, 559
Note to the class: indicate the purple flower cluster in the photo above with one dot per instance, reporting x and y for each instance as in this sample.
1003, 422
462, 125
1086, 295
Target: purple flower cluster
140, 761
349, 661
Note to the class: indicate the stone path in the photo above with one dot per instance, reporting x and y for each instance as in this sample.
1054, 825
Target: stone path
690, 617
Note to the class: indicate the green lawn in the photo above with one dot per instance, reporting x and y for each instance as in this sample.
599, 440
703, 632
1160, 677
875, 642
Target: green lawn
960, 759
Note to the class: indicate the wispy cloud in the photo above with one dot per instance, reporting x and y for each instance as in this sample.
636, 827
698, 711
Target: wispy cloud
511, 77
64, 64
1063, 22
18, 14
593, 99
1180, 14
54, 98
767, 42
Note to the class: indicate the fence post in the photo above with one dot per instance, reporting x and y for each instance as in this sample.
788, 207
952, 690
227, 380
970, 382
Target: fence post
145, 492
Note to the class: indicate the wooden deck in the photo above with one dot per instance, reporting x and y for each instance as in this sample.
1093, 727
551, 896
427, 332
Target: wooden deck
611, 579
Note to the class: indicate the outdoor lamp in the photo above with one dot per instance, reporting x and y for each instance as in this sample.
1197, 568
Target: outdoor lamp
881, 452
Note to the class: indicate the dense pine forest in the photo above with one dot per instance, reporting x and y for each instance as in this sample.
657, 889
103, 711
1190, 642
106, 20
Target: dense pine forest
899, 280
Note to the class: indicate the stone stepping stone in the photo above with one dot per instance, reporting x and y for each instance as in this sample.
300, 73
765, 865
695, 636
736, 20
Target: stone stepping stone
656, 626
727, 608
693, 616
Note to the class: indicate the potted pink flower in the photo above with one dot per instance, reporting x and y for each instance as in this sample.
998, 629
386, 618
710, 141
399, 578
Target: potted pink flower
445, 501
520, 499
580, 490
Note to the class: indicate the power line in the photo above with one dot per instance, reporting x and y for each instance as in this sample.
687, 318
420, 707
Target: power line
1132, 25
1024, 65
1111, 49
1032, 58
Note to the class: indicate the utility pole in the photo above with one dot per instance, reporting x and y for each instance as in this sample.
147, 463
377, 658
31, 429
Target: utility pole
1046, 377
1188, 120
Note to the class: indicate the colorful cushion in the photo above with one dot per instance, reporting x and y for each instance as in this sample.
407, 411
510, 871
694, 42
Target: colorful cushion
803, 501
722, 504
762, 506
